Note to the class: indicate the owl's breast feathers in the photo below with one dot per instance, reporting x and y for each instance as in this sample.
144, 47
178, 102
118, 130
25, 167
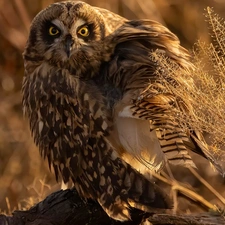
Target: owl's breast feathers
70, 123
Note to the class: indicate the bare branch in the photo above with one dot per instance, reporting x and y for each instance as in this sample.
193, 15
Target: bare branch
67, 208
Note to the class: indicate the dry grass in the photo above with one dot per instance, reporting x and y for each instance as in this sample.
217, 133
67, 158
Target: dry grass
22, 171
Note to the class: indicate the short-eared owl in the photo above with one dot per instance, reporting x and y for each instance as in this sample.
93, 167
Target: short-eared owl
86, 70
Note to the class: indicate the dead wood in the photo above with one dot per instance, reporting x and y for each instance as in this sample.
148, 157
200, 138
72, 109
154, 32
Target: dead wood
65, 207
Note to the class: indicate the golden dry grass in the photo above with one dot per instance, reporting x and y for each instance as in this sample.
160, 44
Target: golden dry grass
22, 171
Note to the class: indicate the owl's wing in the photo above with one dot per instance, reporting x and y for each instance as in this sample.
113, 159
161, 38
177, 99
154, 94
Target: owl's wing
146, 129
105, 176
111, 20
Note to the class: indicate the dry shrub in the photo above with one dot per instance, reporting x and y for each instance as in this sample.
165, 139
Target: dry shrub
199, 89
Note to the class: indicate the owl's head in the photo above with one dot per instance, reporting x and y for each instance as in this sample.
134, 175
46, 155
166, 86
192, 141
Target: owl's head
64, 28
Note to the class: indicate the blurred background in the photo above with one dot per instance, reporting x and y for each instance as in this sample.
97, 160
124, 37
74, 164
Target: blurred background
24, 176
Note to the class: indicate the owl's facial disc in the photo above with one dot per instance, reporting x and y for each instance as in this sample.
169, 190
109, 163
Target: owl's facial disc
68, 38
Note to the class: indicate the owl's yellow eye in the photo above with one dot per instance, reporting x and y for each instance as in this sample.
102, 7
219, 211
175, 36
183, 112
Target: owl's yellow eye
53, 31
84, 31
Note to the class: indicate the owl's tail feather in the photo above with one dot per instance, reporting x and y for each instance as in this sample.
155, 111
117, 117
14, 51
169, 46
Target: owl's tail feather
130, 189
145, 194
136, 192
116, 185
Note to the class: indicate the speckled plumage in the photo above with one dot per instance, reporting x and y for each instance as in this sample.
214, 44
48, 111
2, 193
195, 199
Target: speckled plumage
82, 96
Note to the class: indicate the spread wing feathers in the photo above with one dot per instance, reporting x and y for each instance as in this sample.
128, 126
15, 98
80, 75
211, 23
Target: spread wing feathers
151, 34
173, 139
164, 140
133, 70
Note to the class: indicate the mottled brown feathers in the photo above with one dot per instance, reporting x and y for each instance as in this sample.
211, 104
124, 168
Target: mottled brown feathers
95, 107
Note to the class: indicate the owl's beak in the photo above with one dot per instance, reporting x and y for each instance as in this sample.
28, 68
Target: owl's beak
68, 44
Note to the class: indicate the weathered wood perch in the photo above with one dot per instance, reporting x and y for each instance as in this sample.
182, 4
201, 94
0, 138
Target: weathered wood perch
67, 208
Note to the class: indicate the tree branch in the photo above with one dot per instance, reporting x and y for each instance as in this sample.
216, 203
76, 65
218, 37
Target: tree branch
65, 207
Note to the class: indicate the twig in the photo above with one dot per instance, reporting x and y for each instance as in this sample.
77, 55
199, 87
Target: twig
23, 14
203, 181
186, 191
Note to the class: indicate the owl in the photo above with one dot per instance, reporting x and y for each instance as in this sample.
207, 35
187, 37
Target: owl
96, 108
